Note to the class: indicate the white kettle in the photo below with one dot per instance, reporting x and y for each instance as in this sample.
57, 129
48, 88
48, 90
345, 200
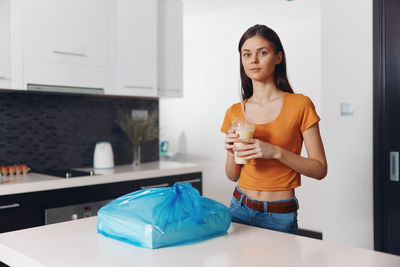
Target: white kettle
103, 157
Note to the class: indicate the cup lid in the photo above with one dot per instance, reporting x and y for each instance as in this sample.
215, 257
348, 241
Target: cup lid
239, 123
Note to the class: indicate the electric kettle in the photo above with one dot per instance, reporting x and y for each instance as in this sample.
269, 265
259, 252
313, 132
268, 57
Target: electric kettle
103, 157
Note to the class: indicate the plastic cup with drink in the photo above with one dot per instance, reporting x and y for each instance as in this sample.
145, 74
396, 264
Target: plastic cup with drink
244, 130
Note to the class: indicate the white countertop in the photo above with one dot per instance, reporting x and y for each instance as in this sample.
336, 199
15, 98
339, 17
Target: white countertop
76, 243
33, 182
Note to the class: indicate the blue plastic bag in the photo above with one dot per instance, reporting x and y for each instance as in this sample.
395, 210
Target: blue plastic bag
160, 217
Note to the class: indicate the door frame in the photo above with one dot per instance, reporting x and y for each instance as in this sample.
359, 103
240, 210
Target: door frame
380, 179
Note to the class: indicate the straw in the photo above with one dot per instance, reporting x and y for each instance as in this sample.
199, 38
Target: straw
244, 113
241, 103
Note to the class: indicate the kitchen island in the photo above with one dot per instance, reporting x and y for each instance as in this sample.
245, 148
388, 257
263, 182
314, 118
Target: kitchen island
77, 243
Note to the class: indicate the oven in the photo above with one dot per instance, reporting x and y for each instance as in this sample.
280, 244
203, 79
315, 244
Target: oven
73, 212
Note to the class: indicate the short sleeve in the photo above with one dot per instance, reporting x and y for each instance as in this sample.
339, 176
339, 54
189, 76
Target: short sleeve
227, 121
308, 115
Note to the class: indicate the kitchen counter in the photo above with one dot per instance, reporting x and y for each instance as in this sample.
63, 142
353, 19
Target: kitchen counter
33, 182
76, 243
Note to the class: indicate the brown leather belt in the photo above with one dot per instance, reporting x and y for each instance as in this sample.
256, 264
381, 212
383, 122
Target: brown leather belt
278, 207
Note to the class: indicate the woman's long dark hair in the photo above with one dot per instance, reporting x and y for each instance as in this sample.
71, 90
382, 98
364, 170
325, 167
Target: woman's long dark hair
280, 75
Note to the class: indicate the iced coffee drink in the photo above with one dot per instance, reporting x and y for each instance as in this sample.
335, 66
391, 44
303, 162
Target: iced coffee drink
245, 131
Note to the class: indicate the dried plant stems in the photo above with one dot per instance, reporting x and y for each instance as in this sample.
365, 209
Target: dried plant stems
138, 131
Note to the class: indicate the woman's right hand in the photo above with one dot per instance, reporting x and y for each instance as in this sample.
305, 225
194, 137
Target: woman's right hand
230, 138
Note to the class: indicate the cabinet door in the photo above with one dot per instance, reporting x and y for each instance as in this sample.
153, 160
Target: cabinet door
65, 31
19, 211
170, 48
52, 73
5, 73
136, 47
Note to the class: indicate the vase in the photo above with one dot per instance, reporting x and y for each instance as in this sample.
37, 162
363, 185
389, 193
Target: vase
136, 154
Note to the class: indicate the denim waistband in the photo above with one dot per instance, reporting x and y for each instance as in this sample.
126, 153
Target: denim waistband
273, 201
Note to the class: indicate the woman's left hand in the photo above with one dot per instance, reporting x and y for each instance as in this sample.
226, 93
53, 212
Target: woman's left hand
255, 148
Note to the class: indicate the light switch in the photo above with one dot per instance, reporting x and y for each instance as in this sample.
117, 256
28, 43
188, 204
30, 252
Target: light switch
346, 109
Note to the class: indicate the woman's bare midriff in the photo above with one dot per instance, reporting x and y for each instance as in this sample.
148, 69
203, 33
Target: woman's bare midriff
268, 195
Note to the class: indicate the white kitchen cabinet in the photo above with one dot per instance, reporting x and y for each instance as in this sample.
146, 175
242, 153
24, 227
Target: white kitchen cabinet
60, 74
170, 48
135, 48
10, 44
5, 63
67, 39
127, 47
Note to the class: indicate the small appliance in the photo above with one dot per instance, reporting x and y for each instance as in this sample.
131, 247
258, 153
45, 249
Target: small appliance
103, 157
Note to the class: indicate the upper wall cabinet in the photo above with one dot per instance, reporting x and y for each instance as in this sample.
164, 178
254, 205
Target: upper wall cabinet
65, 42
127, 47
5, 64
147, 51
134, 53
170, 48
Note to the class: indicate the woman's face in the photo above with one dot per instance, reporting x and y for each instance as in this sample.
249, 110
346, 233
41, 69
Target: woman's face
259, 58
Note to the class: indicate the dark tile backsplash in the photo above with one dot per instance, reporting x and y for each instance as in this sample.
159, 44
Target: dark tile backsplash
60, 130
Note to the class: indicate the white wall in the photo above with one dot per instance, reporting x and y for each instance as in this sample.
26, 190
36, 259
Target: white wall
329, 54
212, 30
347, 77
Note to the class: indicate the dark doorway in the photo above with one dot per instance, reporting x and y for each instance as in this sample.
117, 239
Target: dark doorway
386, 125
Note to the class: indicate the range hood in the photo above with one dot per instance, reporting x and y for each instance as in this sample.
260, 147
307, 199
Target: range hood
65, 89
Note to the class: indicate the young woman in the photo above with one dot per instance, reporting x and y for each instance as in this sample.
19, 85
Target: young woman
265, 194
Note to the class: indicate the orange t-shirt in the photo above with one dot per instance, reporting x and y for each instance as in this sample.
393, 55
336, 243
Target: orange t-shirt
297, 115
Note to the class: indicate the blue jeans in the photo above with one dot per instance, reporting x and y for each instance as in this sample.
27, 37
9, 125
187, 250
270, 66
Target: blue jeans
283, 222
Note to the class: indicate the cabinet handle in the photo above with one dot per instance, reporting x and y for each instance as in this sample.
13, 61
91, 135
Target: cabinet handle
69, 53
166, 89
15, 205
190, 181
155, 186
394, 166
138, 87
